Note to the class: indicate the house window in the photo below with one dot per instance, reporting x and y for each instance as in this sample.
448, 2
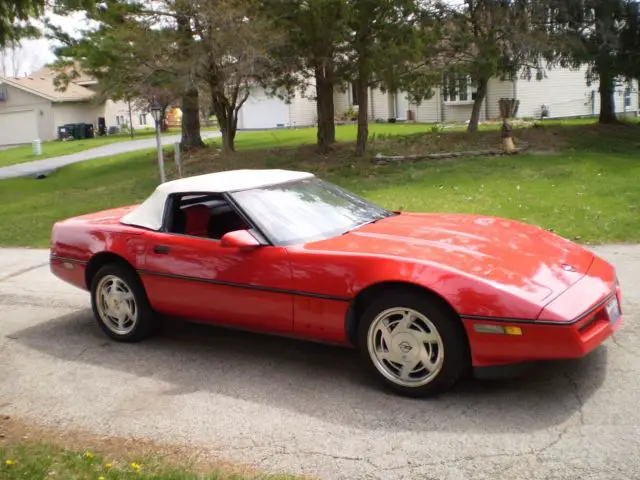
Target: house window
354, 93
143, 119
457, 88
627, 95
119, 120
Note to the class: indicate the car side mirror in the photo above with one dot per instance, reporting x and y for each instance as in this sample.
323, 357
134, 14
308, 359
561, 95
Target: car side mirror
241, 239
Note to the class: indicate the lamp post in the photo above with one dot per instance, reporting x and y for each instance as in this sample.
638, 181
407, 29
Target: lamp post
156, 111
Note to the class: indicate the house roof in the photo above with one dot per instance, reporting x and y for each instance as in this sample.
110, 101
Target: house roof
150, 213
41, 84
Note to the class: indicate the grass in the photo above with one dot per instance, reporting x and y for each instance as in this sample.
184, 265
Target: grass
34, 452
578, 180
55, 148
41, 461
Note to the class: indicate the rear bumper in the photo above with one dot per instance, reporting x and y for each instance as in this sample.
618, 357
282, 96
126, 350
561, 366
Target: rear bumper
69, 270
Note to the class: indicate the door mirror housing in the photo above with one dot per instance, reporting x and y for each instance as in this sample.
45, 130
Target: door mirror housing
241, 239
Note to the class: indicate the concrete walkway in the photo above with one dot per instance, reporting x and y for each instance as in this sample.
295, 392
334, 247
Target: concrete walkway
46, 165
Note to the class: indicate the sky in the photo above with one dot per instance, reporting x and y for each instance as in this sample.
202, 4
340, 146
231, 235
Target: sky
35, 53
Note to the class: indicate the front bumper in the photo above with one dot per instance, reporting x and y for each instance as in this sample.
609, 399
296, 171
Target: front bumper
543, 339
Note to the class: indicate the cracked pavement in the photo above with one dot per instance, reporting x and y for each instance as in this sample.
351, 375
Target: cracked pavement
287, 406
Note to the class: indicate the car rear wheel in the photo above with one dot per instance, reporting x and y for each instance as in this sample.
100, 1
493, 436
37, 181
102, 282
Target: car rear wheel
120, 304
412, 344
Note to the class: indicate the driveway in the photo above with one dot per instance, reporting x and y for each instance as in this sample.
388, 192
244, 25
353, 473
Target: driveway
37, 167
279, 404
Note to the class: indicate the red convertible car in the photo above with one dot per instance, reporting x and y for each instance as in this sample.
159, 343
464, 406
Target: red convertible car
424, 297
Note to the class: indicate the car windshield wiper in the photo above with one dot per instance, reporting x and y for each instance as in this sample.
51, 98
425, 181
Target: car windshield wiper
373, 220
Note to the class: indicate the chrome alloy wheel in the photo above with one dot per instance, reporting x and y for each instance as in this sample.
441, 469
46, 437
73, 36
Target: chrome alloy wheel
116, 305
405, 347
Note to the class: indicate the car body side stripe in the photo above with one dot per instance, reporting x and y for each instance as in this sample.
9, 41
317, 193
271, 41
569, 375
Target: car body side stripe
247, 286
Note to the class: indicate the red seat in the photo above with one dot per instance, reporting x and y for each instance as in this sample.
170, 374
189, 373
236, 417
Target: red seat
197, 219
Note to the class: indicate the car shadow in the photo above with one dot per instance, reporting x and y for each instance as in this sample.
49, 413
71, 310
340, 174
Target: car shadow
321, 381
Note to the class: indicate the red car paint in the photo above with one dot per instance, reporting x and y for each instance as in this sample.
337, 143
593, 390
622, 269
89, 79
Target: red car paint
491, 271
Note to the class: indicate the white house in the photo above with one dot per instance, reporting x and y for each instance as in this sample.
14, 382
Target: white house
563, 93
31, 108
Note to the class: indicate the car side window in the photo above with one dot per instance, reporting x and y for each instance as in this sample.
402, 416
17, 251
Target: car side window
207, 216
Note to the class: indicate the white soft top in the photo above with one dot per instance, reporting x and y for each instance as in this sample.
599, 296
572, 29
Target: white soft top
149, 214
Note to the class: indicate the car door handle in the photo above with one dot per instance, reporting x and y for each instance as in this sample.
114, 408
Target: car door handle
163, 249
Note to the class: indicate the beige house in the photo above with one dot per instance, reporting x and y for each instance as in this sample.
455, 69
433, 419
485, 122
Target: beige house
31, 108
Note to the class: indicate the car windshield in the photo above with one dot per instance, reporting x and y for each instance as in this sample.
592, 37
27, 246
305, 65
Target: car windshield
306, 210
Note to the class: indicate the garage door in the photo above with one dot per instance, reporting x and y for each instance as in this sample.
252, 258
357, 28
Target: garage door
18, 127
260, 111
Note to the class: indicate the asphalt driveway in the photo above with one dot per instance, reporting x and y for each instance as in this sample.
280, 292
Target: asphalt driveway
37, 167
279, 404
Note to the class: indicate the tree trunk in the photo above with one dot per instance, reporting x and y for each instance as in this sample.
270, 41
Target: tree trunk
607, 106
228, 123
191, 119
363, 117
190, 100
132, 131
326, 134
481, 93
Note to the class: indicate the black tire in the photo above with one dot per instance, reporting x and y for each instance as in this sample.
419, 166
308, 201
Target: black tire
145, 323
456, 359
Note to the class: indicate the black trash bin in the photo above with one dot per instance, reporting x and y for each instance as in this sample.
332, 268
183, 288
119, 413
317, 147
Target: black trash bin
88, 130
62, 132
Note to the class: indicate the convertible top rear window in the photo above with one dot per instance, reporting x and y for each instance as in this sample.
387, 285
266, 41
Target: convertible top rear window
306, 210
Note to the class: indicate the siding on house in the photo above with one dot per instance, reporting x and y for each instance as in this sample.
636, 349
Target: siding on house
378, 105
564, 92
496, 90
340, 101
303, 109
460, 112
429, 110
20, 101
64, 113
112, 109
619, 99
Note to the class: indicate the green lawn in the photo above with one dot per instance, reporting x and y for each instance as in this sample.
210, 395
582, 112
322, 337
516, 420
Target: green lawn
587, 191
41, 461
55, 148
300, 136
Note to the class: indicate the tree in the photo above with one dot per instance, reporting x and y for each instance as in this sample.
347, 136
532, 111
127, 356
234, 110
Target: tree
384, 43
132, 54
231, 56
630, 40
491, 38
311, 53
15, 18
590, 32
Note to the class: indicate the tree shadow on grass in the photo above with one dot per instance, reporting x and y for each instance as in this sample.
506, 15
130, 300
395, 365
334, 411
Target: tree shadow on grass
320, 381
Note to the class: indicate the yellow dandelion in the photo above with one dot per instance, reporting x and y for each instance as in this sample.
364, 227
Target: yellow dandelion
9, 462
100, 478
108, 466
135, 466
88, 455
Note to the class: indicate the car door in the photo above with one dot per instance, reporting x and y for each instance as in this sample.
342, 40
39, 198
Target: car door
196, 277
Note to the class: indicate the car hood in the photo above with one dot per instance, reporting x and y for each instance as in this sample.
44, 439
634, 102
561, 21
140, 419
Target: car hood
509, 254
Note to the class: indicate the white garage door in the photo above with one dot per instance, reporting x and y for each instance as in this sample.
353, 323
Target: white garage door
18, 127
260, 111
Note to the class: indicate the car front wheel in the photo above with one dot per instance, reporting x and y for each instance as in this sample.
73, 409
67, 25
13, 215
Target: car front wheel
120, 304
413, 344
